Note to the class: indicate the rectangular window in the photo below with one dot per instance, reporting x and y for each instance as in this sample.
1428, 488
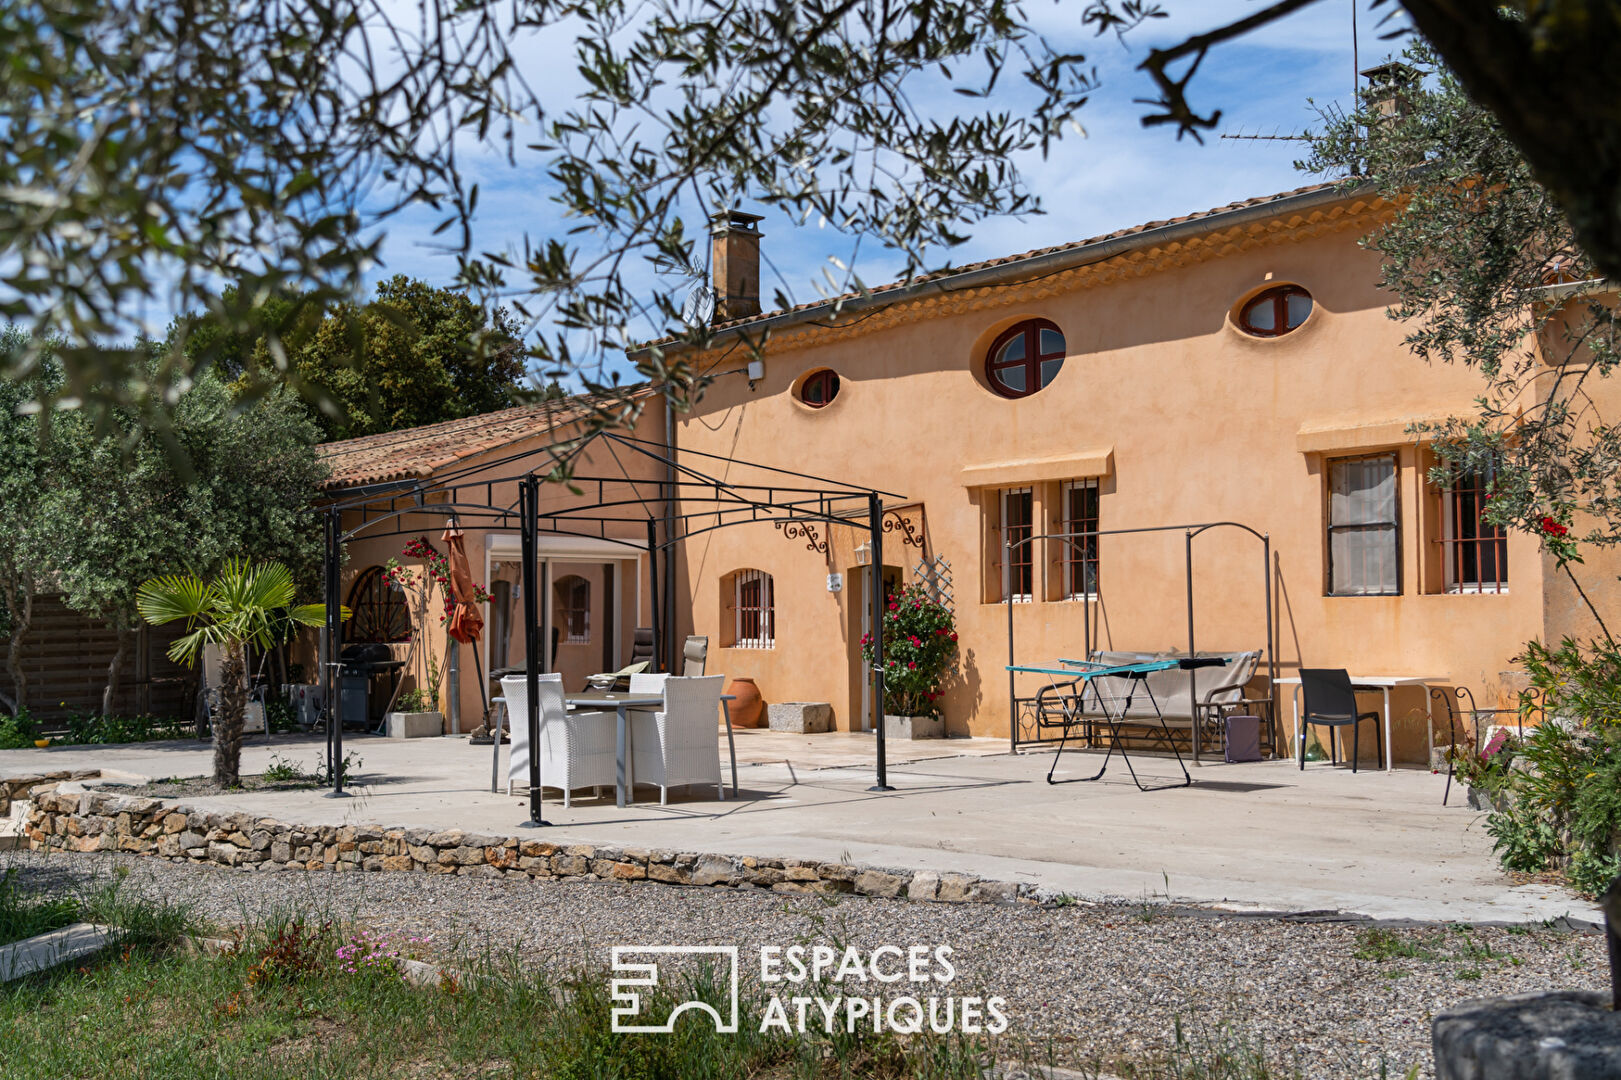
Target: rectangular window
1080, 514
1017, 521
1364, 533
1474, 553
755, 611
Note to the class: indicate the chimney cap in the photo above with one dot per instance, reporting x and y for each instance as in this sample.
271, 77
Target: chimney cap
1391, 72
727, 220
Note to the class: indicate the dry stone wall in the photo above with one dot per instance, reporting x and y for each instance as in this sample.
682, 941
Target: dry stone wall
63, 815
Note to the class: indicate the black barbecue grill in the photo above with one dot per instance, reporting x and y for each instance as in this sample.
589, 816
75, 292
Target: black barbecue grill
363, 666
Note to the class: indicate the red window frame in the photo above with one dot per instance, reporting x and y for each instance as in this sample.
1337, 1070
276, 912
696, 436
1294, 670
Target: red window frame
819, 388
1031, 362
755, 601
1278, 297
378, 610
1474, 553
1019, 527
1080, 515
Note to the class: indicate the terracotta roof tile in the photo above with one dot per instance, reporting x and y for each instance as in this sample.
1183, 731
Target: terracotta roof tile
422, 451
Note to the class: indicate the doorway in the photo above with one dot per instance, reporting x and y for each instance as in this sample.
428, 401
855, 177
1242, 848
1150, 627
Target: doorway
859, 615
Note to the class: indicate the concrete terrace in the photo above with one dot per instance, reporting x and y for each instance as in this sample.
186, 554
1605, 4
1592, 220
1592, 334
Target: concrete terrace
1259, 836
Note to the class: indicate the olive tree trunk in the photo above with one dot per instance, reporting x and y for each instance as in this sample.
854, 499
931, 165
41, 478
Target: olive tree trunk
233, 693
20, 604
115, 666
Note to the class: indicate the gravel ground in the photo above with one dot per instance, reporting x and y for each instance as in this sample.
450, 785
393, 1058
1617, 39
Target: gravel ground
1098, 982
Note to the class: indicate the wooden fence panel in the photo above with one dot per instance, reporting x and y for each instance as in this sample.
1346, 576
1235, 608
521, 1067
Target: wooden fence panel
66, 655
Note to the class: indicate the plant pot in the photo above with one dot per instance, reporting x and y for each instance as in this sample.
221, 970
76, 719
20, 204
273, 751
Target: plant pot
415, 725
749, 705
914, 727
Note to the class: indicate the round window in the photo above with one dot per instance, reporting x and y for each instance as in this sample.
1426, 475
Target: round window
1025, 358
819, 388
1275, 312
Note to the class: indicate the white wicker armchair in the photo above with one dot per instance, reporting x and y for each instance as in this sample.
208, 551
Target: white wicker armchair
681, 743
576, 749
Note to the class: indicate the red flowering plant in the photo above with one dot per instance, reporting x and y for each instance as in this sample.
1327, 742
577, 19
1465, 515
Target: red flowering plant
920, 649
429, 589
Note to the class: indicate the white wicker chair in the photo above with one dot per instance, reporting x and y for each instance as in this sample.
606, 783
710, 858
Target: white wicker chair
681, 743
576, 749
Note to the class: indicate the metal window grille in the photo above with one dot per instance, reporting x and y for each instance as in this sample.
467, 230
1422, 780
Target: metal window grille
1017, 522
755, 610
574, 610
1364, 534
1080, 514
1474, 552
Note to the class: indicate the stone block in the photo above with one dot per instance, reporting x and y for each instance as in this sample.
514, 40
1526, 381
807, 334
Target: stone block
415, 725
994, 892
1550, 1035
925, 885
914, 727
954, 887
714, 870
878, 883
800, 717
669, 874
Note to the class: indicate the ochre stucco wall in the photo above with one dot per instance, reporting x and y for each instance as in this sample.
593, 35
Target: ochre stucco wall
1199, 421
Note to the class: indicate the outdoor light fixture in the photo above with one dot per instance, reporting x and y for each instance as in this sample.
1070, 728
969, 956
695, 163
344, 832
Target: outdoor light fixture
863, 553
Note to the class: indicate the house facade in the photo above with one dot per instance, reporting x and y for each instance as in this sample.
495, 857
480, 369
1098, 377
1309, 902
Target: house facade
593, 575
1234, 366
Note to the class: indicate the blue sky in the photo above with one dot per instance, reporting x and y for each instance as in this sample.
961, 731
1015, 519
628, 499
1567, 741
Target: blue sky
1119, 174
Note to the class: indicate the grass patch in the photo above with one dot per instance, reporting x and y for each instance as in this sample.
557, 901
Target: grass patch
24, 914
312, 1000
1380, 945
141, 923
1204, 1053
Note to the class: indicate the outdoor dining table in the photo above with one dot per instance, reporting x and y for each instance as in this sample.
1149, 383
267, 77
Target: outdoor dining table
1384, 684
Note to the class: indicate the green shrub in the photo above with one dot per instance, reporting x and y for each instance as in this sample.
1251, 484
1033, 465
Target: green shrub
920, 647
1563, 781
17, 732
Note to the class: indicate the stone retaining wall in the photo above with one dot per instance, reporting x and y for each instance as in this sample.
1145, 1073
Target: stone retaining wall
65, 816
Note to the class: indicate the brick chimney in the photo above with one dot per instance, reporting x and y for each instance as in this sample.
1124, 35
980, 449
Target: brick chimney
736, 264
1390, 84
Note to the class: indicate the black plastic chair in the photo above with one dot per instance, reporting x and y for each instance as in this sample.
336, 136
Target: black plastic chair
1331, 703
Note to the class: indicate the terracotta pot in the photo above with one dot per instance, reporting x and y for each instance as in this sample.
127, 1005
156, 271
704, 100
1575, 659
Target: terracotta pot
749, 706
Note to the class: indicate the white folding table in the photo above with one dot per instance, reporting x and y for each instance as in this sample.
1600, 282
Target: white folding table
1384, 684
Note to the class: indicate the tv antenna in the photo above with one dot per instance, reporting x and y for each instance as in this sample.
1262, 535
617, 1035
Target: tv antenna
699, 308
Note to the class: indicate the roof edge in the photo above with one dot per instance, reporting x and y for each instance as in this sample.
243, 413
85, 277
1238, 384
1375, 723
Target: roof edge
1032, 266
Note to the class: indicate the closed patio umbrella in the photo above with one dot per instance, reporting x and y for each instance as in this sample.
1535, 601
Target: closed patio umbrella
464, 623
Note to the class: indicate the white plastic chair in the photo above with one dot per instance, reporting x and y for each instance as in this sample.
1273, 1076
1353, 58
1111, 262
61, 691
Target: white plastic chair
648, 682
576, 749
681, 743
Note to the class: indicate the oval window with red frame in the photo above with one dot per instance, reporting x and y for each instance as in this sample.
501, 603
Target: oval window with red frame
1275, 312
819, 388
1025, 358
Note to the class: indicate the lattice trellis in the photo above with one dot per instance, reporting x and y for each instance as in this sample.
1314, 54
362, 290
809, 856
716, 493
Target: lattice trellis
934, 574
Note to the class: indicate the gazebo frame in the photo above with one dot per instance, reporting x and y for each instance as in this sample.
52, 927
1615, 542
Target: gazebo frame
1190, 533
690, 502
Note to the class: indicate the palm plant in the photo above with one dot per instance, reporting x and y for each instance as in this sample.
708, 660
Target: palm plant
245, 603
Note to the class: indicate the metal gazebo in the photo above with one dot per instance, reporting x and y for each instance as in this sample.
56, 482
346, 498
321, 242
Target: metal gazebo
688, 502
